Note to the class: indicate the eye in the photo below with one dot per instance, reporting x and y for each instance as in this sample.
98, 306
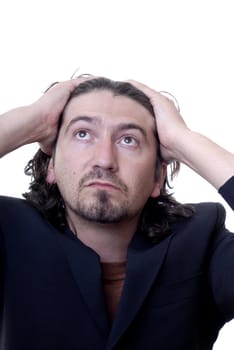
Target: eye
83, 135
129, 141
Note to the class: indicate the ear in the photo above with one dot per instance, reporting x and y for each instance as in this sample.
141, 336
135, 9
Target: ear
50, 178
160, 180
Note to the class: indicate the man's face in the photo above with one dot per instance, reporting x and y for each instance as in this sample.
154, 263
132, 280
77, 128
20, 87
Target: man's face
105, 158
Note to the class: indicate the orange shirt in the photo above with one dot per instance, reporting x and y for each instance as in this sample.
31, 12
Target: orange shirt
113, 281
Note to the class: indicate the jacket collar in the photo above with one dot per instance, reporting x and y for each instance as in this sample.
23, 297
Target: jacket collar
85, 266
144, 262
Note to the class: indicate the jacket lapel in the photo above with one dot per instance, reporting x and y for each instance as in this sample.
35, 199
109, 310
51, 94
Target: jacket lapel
85, 266
143, 265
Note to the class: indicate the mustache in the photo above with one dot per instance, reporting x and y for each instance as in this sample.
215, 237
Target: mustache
101, 174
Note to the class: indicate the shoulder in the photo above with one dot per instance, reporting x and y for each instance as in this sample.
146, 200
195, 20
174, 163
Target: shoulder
195, 239
12, 204
206, 223
15, 211
209, 212
5, 200
21, 223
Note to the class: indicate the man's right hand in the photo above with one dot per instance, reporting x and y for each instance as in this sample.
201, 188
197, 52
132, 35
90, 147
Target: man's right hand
49, 109
37, 122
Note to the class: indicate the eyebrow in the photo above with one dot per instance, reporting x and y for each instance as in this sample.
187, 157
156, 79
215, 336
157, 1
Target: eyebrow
91, 120
128, 126
95, 121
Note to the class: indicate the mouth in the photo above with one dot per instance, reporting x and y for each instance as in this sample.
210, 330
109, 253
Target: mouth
103, 185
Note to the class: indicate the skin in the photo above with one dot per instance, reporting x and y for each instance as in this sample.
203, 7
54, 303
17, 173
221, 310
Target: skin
104, 166
177, 141
38, 122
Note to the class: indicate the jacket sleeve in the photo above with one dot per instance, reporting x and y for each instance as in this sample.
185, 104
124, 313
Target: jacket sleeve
222, 260
227, 192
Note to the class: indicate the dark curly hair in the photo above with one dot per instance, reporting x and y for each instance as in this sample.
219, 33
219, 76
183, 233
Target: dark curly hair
159, 214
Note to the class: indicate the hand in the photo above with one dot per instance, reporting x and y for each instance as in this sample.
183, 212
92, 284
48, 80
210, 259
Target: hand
177, 142
48, 110
170, 124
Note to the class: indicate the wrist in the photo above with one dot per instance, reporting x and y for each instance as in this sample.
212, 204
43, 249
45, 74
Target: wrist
177, 148
205, 157
18, 127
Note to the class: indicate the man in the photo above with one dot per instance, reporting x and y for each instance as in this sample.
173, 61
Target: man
100, 256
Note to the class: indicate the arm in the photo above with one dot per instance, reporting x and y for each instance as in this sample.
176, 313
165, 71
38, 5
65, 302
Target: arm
208, 159
178, 142
37, 122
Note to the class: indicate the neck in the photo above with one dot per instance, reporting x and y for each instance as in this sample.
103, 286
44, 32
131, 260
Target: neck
110, 241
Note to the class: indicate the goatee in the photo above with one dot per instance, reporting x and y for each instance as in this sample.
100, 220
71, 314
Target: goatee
101, 209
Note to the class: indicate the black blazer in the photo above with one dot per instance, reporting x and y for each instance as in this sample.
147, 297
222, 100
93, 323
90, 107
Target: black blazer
177, 294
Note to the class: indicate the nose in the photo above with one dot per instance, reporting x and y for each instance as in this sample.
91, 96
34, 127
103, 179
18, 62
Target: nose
105, 155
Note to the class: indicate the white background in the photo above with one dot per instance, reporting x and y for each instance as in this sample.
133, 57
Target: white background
182, 46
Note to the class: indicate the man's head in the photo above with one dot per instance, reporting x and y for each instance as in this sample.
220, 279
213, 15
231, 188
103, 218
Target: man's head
106, 153
106, 165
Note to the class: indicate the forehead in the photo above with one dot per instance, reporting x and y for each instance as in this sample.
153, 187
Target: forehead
108, 107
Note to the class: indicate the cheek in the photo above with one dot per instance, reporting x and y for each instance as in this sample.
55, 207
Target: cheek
143, 183
67, 170
67, 183
64, 176
64, 163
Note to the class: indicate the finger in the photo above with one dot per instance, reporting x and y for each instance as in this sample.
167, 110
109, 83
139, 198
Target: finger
71, 83
160, 95
151, 93
171, 98
50, 86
